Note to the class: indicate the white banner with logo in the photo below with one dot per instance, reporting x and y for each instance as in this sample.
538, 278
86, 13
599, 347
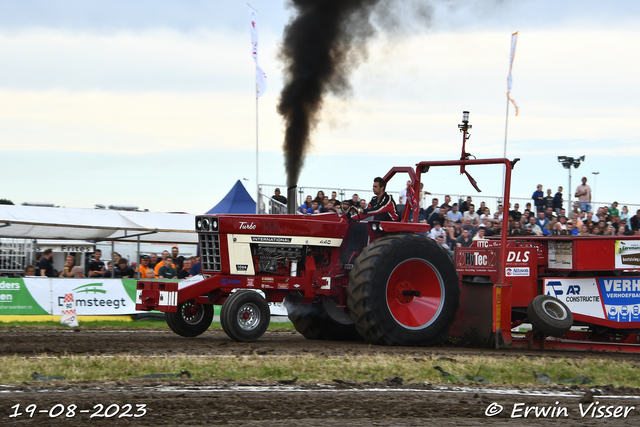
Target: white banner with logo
628, 254
92, 296
42, 295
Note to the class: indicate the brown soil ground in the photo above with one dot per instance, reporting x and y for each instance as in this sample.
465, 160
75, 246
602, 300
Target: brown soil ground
214, 401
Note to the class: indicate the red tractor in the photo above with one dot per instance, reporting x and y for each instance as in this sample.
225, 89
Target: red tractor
402, 288
340, 278
396, 286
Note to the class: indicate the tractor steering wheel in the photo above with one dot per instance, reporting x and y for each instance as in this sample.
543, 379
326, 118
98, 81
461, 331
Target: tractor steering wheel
348, 211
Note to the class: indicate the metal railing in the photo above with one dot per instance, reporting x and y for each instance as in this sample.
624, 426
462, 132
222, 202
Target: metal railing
268, 190
492, 202
271, 206
16, 254
347, 193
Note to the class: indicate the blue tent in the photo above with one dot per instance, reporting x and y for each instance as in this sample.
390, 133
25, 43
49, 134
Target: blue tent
236, 201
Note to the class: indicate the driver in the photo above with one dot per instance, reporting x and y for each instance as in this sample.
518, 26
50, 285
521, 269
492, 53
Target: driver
382, 206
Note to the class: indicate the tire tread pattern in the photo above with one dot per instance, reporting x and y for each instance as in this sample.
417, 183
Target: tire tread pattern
313, 323
541, 320
177, 324
229, 312
365, 310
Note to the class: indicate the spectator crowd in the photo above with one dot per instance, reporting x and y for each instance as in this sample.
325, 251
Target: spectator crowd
168, 266
452, 225
459, 224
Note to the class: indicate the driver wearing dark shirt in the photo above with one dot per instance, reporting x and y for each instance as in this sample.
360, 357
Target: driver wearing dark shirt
382, 206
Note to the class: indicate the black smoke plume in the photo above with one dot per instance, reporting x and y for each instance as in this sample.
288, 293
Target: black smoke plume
322, 44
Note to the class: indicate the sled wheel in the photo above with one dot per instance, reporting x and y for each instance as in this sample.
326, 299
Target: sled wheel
550, 316
191, 320
403, 290
245, 316
314, 323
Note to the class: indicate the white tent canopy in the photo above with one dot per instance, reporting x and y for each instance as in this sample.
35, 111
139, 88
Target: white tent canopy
31, 222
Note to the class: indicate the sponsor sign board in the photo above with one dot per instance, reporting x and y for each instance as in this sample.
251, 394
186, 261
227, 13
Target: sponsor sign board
66, 248
582, 296
476, 260
42, 295
518, 263
560, 255
627, 254
611, 298
517, 271
621, 297
17, 298
93, 296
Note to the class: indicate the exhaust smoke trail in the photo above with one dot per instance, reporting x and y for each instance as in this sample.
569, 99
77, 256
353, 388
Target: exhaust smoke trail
322, 45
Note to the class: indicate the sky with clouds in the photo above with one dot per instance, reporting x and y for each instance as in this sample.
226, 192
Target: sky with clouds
152, 103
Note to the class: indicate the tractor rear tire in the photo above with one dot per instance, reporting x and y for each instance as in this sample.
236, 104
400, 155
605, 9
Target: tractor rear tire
245, 316
191, 320
314, 323
550, 316
403, 290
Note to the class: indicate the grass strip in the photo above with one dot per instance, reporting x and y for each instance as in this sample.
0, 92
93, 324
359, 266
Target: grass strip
518, 371
118, 325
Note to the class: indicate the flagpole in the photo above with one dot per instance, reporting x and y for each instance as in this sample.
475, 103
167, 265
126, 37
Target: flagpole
512, 51
257, 184
506, 126
255, 88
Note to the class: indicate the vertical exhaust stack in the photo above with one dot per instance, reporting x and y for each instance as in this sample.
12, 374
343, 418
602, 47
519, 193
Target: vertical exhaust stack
291, 199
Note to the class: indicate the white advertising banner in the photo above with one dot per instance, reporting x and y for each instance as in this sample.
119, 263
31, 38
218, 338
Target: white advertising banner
42, 295
612, 298
93, 296
628, 254
560, 255
39, 289
582, 296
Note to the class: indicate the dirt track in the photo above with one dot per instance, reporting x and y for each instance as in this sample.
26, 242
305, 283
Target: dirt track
215, 401
29, 342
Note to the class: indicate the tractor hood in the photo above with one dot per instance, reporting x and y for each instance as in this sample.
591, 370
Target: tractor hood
329, 225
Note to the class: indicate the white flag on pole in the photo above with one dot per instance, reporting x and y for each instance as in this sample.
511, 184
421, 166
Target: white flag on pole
261, 77
261, 82
253, 18
514, 41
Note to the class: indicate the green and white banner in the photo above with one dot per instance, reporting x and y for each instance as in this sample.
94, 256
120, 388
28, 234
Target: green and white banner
16, 299
93, 296
42, 295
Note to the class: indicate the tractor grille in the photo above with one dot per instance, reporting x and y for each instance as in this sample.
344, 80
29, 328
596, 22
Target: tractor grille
210, 252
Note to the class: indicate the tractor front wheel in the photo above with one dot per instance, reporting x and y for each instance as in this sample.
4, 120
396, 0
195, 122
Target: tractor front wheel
403, 290
245, 316
191, 320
